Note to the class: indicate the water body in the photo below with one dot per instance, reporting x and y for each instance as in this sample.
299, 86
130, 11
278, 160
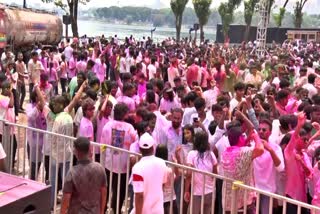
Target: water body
96, 28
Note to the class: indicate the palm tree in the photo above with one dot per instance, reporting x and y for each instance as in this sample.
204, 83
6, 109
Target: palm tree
249, 7
202, 9
177, 7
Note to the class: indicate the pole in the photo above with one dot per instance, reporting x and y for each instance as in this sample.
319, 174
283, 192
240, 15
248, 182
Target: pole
24, 3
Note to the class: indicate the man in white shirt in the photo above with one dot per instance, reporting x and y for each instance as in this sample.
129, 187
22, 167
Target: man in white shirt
211, 95
310, 86
35, 68
267, 165
239, 89
148, 177
152, 70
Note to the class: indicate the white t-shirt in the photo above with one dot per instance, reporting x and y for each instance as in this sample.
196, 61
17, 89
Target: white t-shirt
205, 163
118, 134
122, 65
148, 177
2, 153
152, 70
86, 128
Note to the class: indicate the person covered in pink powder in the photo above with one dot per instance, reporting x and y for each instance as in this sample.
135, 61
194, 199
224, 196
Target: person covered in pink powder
298, 166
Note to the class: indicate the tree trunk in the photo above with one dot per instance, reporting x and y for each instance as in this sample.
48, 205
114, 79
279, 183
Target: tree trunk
178, 27
201, 33
298, 20
247, 32
73, 8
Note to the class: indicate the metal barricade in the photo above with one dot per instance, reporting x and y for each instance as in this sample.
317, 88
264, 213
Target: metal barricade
52, 166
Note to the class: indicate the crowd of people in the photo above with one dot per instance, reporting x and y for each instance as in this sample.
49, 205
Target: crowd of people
217, 108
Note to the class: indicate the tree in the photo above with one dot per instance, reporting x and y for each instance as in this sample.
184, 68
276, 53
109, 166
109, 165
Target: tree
202, 9
249, 7
177, 7
72, 6
279, 17
298, 15
226, 12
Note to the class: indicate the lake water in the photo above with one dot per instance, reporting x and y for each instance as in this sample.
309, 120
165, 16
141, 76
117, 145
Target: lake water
96, 28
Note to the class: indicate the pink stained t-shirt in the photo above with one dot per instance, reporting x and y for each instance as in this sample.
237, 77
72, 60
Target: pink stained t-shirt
296, 177
86, 128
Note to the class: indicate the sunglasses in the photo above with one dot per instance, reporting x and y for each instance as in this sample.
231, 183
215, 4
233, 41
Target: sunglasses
262, 129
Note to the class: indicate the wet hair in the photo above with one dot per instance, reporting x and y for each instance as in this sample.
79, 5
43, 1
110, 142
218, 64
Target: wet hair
127, 87
282, 94
191, 129
91, 94
307, 127
141, 127
285, 140
201, 143
82, 144
239, 86
86, 104
44, 77
82, 74
315, 99
150, 96
170, 95
94, 81
311, 78
284, 83
142, 112
199, 103
286, 120
268, 122
191, 97
162, 152
120, 110
216, 107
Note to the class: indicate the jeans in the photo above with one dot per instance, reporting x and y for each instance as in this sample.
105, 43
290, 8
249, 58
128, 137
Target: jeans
63, 83
177, 189
16, 102
196, 207
55, 87
34, 165
31, 85
22, 93
54, 177
166, 207
264, 204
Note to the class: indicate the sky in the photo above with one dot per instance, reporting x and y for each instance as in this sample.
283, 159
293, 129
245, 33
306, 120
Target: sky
312, 6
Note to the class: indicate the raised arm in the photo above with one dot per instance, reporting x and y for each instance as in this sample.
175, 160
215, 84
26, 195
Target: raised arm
293, 141
77, 97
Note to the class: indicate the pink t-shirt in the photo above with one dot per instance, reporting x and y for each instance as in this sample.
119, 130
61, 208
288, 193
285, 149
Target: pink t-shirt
204, 164
72, 68
86, 128
81, 66
296, 177
236, 163
100, 70
118, 134
128, 101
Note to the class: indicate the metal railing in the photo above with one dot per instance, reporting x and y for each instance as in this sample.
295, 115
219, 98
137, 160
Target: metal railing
37, 164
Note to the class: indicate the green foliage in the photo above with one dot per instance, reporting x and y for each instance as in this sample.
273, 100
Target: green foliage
202, 9
226, 12
178, 6
249, 7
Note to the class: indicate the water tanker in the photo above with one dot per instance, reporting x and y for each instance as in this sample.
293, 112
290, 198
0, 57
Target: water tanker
21, 28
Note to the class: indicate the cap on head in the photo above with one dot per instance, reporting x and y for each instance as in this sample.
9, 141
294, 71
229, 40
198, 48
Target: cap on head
146, 141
